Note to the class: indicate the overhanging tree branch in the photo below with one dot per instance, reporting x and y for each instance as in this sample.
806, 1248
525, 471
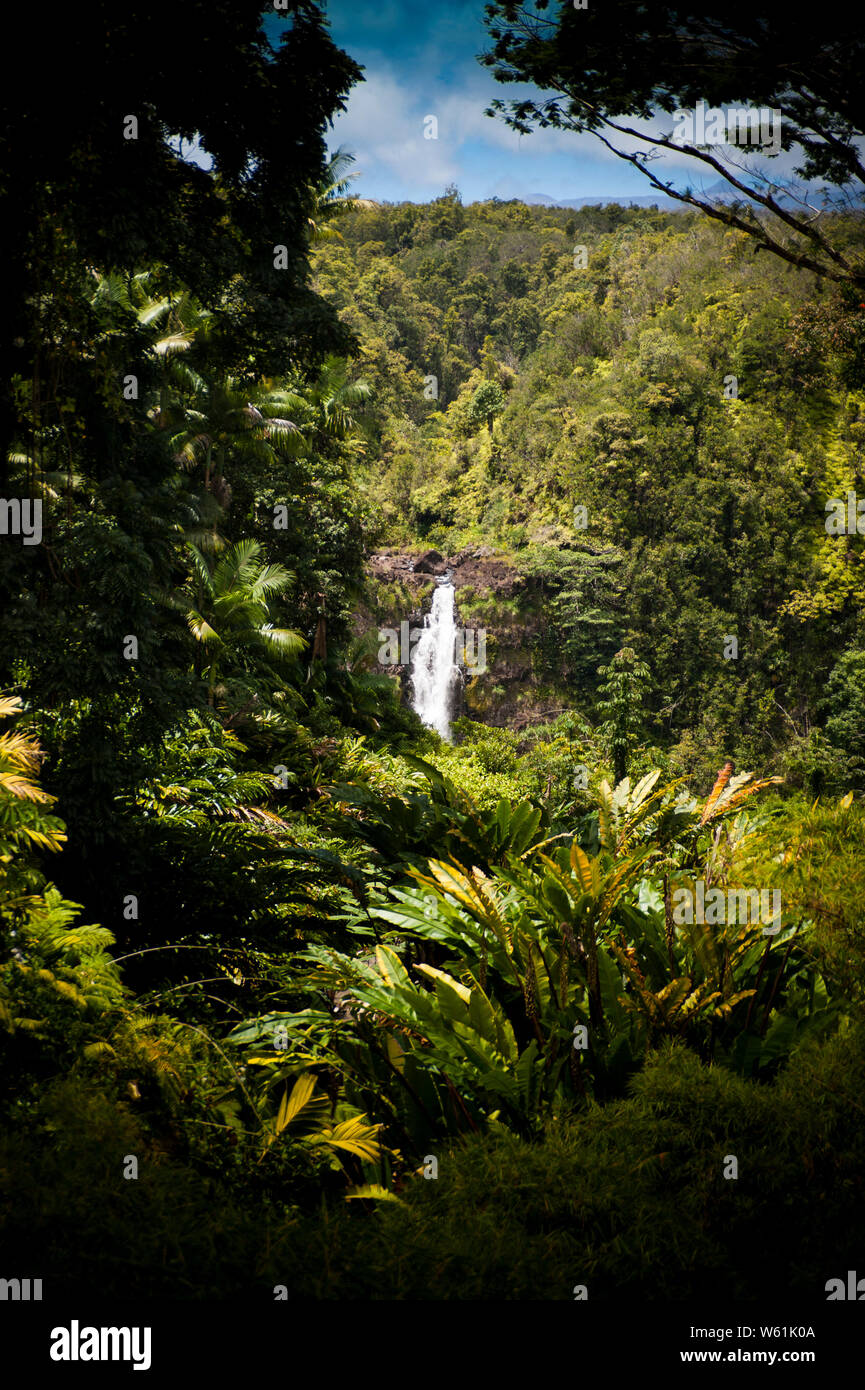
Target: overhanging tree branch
631, 60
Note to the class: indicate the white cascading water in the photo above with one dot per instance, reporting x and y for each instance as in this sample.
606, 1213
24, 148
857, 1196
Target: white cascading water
435, 675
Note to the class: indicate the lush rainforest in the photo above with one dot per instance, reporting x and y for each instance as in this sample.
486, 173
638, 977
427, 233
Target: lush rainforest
297, 998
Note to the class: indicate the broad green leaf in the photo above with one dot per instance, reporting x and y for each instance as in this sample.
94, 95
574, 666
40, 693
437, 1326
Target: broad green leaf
292, 1105
582, 867
392, 970
436, 974
372, 1191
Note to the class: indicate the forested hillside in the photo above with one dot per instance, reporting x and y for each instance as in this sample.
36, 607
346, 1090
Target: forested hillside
702, 403
300, 999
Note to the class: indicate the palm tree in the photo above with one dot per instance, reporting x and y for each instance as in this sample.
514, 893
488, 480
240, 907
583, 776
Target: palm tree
222, 421
230, 618
322, 412
210, 418
331, 197
175, 317
334, 399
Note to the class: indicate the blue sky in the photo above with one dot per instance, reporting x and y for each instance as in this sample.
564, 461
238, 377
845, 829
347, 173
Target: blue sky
420, 60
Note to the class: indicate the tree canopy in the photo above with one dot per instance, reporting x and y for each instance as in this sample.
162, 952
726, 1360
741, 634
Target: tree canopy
299, 998
614, 69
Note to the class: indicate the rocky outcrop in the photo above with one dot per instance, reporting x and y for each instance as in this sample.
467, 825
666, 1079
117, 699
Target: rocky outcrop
481, 569
430, 563
478, 567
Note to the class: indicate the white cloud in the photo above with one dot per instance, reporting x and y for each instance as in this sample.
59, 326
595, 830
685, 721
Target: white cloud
384, 120
384, 126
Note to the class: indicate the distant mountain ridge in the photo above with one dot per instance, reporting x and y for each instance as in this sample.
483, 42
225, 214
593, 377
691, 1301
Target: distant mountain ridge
604, 200
718, 192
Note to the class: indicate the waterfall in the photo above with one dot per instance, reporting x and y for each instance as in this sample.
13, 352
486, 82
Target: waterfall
435, 675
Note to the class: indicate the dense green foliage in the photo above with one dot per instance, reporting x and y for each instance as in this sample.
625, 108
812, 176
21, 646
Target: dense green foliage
690, 396
266, 938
